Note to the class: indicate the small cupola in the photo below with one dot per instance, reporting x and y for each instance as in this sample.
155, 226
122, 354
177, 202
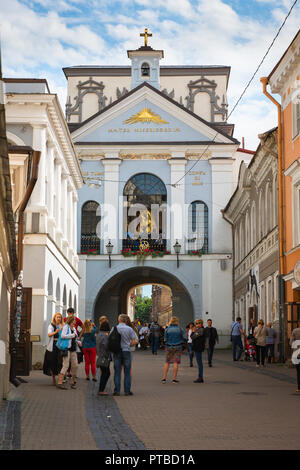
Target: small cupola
145, 64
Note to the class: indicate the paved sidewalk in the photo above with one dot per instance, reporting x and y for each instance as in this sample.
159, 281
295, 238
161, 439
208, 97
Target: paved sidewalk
238, 407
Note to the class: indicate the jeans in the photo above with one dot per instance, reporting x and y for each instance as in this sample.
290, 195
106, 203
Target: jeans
260, 354
269, 352
155, 343
200, 364
191, 352
210, 352
105, 373
124, 357
237, 341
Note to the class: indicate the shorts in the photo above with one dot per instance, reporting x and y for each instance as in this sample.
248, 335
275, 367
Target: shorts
173, 355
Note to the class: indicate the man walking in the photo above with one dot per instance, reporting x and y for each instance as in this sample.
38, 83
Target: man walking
155, 334
236, 337
128, 339
212, 338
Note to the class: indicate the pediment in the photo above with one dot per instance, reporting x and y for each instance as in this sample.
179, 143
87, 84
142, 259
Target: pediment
147, 115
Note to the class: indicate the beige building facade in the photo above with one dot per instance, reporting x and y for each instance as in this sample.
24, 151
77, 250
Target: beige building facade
253, 213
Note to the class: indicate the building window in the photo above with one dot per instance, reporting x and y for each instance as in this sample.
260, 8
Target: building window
90, 218
198, 226
296, 119
145, 212
145, 69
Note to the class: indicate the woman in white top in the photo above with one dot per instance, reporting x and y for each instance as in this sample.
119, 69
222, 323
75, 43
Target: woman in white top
53, 361
70, 355
189, 331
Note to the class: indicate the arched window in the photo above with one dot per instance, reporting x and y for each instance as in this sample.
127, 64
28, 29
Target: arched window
90, 218
253, 226
57, 295
64, 300
145, 70
145, 212
70, 300
247, 234
50, 284
198, 226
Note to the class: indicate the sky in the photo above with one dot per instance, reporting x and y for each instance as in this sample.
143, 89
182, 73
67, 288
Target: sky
40, 37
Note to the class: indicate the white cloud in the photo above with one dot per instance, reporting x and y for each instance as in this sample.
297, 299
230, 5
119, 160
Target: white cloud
205, 32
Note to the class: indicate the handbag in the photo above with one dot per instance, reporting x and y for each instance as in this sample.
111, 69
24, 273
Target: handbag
62, 344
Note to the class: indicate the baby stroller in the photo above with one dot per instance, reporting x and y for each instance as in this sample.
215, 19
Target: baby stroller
250, 351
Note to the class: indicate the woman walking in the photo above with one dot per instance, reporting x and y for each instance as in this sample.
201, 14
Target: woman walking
189, 331
174, 342
260, 333
53, 361
88, 336
198, 338
70, 355
104, 356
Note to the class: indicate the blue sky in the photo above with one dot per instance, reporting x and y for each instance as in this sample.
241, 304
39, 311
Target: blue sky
39, 37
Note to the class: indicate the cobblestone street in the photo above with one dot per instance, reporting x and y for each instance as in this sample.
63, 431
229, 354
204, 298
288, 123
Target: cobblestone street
238, 407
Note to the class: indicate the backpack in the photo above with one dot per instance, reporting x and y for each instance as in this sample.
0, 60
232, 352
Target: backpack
114, 341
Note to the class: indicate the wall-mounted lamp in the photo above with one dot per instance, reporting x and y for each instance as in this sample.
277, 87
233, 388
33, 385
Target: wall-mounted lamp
177, 248
109, 249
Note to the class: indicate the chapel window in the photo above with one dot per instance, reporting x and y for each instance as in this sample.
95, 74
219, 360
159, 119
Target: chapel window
90, 218
198, 227
145, 69
145, 212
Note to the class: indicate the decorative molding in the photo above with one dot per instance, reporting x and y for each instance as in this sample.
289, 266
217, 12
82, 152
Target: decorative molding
89, 86
120, 93
203, 85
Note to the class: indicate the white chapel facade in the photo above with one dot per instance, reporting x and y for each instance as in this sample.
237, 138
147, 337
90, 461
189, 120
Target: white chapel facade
158, 136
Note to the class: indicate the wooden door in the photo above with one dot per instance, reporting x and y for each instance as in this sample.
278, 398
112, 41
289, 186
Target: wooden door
23, 346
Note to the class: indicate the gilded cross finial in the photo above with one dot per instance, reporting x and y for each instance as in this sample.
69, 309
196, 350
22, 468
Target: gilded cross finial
146, 35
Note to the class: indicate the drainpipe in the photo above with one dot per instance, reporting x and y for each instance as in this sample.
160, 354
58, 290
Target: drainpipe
281, 286
19, 289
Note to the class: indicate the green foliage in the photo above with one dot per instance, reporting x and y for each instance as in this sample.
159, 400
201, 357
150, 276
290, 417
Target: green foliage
143, 308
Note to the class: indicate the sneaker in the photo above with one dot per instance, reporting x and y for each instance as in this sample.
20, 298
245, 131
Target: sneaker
62, 387
163, 381
128, 394
198, 381
175, 381
116, 394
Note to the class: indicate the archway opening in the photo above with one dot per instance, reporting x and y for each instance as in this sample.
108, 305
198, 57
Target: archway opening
114, 297
148, 302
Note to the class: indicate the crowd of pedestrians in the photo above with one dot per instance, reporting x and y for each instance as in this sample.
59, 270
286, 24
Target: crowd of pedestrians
69, 339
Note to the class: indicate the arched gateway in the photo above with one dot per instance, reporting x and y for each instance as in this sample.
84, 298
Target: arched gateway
112, 297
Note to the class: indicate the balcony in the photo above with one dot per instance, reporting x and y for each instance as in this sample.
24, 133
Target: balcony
90, 244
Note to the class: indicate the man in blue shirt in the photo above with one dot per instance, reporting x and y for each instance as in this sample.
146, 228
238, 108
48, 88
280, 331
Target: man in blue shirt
128, 339
236, 337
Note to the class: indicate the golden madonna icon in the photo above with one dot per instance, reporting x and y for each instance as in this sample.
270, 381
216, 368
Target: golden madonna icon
145, 115
144, 245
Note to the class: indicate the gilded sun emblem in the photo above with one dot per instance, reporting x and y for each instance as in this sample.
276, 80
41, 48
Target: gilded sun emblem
145, 115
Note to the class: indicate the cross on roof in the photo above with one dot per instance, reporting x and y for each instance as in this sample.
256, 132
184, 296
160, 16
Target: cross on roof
146, 35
